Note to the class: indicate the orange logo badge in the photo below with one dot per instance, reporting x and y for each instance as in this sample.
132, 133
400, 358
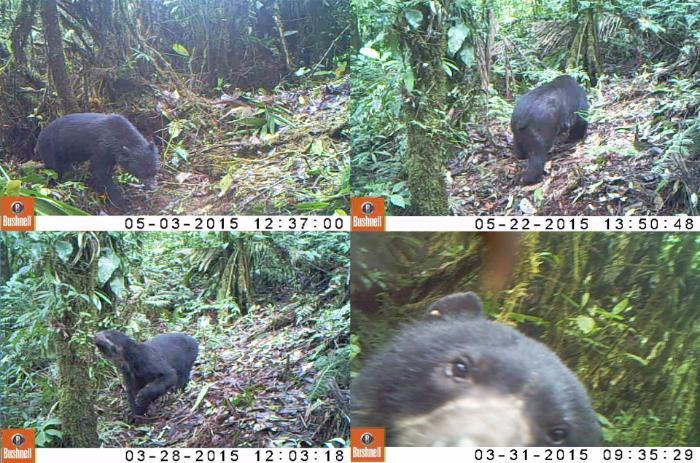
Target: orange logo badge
17, 213
17, 445
367, 214
367, 444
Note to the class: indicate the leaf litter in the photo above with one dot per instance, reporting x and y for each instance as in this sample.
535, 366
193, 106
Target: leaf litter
284, 152
613, 172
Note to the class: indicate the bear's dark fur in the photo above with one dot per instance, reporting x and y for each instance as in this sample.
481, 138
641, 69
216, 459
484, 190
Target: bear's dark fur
455, 378
150, 368
105, 140
540, 116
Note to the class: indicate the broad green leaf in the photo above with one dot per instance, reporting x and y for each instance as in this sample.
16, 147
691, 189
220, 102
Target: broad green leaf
181, 153
51, 421
467, 56
456, 36
175, 128
116, 284
64, 249
370, 53
414, 18
621, 306
225, 183
397, 200
106, 266
12, 188
585, 324
181, 50
584, 299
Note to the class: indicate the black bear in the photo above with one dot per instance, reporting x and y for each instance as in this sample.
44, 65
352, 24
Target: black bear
457, 379
541, 115
150, 368
105, 140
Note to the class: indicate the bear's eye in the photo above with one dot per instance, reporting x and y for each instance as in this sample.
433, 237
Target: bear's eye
558, 434
459, 368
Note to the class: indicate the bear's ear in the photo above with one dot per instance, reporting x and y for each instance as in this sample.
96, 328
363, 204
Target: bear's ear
456, 304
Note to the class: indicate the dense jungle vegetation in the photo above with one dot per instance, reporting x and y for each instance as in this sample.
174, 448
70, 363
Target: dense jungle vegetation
621, 310
434, 85
245, 100
270, 313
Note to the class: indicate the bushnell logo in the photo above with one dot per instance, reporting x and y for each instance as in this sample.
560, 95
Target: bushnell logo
367, 214
367, 438
17, 445
367, 208
18, 439
367, 444
17, 207
17, 213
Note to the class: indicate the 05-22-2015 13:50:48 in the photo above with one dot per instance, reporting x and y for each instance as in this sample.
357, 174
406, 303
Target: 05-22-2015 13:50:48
583, 223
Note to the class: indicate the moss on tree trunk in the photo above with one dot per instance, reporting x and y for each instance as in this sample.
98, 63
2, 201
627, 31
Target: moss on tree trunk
56, 59
424, 109
77, 398
585, 47
73, 322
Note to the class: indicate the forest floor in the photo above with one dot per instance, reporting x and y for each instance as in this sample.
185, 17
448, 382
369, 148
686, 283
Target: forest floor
225, 161
610, 173
256, 385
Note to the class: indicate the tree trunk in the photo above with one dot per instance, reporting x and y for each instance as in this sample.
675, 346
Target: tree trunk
485, 50
21, 31
74, 348
283, 39
424, 111
5, 269
56, 59
585, 47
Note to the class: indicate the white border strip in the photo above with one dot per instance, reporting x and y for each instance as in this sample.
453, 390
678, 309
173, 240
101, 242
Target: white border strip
171, 223
544, 223
393, 223
393, 454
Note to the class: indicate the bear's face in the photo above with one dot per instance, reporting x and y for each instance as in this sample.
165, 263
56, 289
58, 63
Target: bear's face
457, 379
141, 161
112, 345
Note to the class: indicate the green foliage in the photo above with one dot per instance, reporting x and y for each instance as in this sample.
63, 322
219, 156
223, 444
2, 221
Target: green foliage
676, 124
531, 45
142, 289
377, 131
34, 302
44, 203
